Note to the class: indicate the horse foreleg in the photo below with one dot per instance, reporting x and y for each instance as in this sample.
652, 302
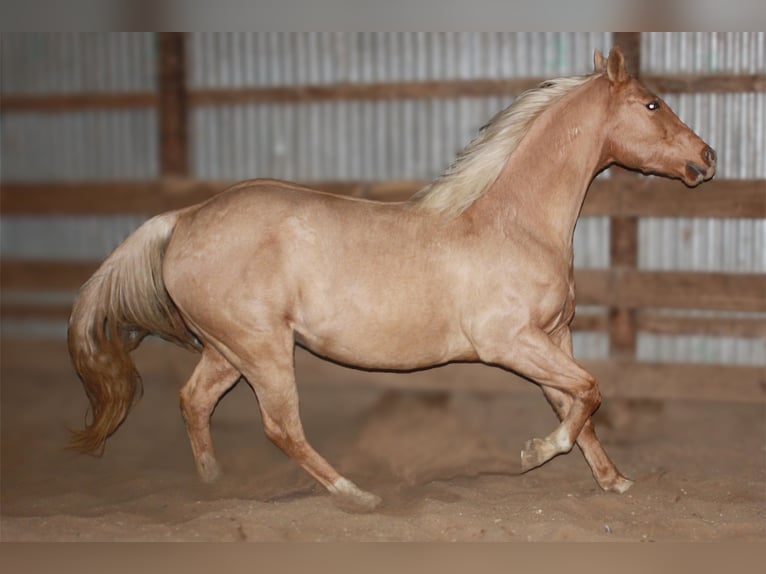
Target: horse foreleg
602, 467
533, 354
211, 378
273, 380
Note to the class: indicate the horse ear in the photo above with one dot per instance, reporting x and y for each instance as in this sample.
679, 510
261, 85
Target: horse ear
599, 62
615, 66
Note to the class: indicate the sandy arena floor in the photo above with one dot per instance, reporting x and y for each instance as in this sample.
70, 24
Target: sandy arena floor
446, 464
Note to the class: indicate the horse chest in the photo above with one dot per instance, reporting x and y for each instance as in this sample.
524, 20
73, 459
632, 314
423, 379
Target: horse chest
541, 293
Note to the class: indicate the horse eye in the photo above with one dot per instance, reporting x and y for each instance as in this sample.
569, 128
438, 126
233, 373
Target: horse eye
653, 105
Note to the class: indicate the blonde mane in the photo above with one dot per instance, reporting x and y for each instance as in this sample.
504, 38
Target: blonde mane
476, 167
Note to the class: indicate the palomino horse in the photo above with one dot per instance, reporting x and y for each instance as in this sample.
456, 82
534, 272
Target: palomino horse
475, 267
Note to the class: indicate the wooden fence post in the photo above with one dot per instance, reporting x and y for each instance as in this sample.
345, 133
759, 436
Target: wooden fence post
623, 230
173, 104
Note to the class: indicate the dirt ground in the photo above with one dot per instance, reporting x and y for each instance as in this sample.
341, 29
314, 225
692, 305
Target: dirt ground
446, 464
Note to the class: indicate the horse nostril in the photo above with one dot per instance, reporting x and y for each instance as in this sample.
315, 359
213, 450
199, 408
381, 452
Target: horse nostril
709, 155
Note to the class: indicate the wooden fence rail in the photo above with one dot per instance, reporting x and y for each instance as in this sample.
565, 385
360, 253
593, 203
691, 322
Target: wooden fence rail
610, 287
637, 197
444, 89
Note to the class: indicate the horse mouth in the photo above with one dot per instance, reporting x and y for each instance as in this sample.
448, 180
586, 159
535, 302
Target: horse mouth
694, 174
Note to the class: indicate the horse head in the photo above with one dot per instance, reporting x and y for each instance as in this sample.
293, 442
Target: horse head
644, 133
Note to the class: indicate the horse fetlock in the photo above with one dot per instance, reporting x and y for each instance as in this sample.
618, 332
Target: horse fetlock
208, 469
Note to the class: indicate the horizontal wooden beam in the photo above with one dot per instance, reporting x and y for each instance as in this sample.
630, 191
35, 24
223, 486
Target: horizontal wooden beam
641, 197
713, 83
441, 89
153, 197
671, 289
42, 276
659, 323
623, 287
103, 198
661, 197
690, 290
56, 103
34, 311
656, 323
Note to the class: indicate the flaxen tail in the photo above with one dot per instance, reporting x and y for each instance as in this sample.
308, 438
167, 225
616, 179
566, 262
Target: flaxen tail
124, 301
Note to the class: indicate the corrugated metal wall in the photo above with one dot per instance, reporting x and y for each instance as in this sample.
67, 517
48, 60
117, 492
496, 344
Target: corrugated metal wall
269, 59
703, 52
403, 139
735, 125
73, 62
77, 145
359, 140
87, 145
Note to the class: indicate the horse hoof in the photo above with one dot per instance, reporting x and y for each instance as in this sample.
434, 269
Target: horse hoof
535, 453
620, 485
350, 498
363, 503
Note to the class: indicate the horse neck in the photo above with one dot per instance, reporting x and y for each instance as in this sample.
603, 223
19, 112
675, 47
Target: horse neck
543, 184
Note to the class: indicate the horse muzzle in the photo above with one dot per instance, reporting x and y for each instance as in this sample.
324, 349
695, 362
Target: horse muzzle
695, 173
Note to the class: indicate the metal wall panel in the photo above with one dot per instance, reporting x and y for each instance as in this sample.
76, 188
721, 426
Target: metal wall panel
78, 238
359, 140
697, 244
80, 145
85, 145
280, 58
703, 52
94, 144
735, 125
702, 348
71, 62
399, 139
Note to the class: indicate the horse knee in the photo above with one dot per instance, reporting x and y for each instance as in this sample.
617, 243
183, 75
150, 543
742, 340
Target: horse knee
591, 395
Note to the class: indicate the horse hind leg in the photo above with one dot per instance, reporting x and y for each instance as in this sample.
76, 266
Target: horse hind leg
270, 373
211, 378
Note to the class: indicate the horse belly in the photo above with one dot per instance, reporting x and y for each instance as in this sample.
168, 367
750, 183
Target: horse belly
385, 343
